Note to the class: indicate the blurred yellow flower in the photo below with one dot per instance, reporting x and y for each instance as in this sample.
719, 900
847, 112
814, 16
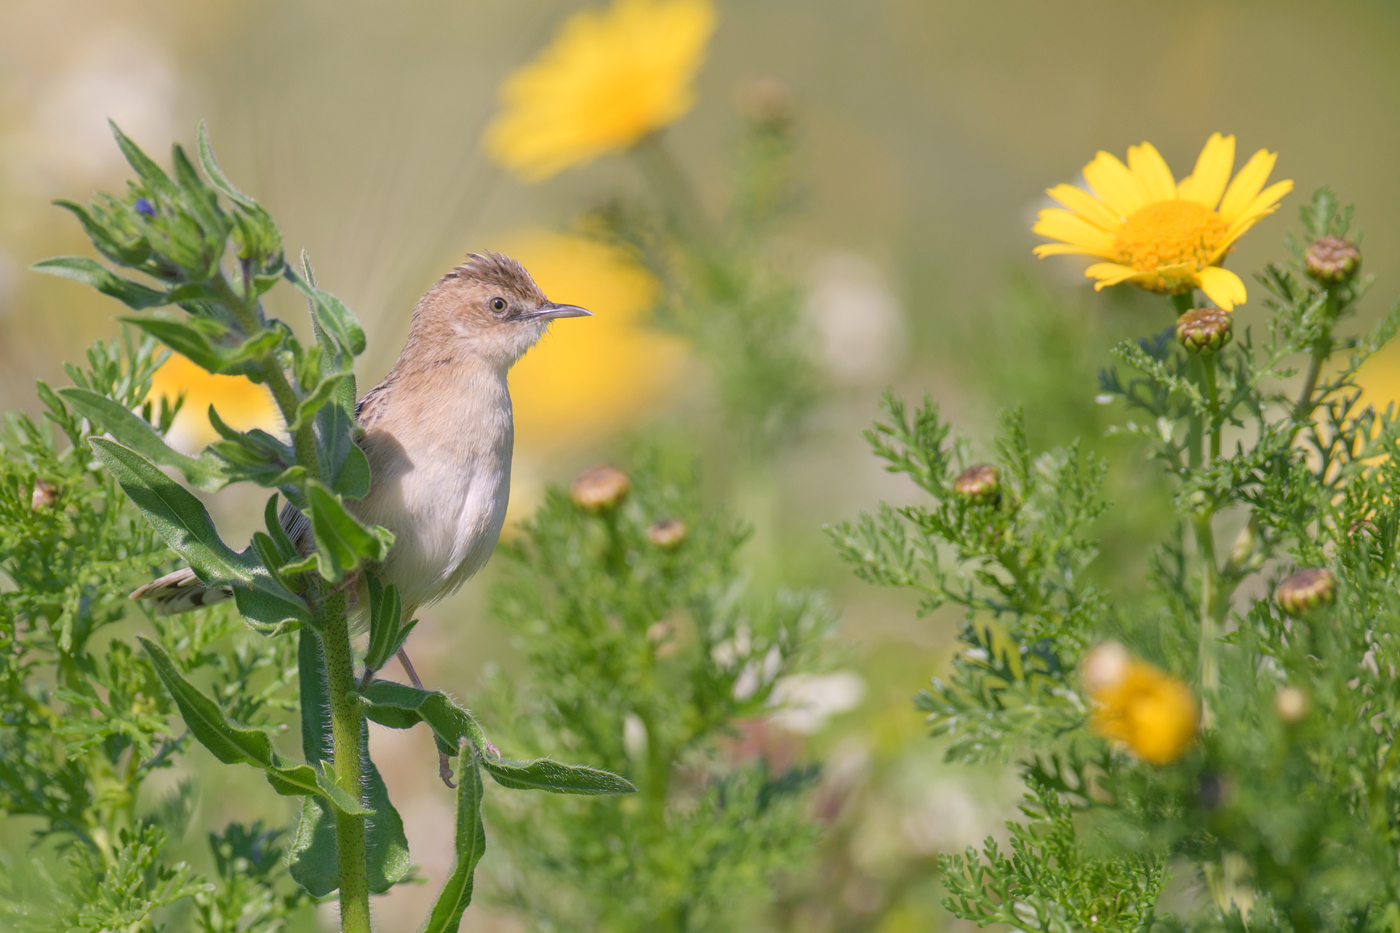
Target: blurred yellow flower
241, 404
590, 376
1152, 713
1158, 234
609, 78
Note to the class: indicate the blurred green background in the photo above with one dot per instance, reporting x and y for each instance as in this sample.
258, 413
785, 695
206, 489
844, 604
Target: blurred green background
929, 131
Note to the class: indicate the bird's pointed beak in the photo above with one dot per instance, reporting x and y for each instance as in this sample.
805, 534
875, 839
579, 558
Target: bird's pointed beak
551, 311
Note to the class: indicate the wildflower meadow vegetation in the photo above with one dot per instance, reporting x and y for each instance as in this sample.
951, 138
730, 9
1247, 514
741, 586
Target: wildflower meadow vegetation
1202, 737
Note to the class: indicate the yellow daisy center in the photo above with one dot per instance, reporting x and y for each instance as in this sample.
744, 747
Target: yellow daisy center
1170, 234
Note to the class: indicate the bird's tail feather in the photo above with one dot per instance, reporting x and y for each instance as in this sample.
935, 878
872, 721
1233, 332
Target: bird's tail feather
179, 592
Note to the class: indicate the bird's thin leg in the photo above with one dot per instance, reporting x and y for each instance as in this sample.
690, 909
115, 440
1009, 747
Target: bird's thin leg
444, 763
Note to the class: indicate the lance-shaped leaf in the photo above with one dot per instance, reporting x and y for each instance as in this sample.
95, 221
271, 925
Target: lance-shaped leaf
557, 777
91, 272
343, 544
470, 841
216, 175
312, 855
386, 635
400, 706
202, 340
229, 743
317, 399
133, 431
183, 523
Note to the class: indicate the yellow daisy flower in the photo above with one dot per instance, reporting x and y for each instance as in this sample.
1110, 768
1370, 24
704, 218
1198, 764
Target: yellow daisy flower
241, 404
610, 77
1146, 709
1158, 234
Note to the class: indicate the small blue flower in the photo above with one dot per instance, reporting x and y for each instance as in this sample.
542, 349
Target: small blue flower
145, 208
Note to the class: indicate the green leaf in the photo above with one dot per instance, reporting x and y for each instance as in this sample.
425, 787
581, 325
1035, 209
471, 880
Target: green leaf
400, 706
177, 516
151, 173
337, 795
331, 316
216, 175
456, 893
352, 481
200, 339
133, 431
183, 523
91, 272
385, 614
318, 398
557, 777
343, 544
312, 855
229, 743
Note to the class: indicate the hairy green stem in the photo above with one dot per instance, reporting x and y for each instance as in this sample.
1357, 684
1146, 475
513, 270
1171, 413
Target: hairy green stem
1303, 408
1210, 599
1213, 400
245, 312
346, 730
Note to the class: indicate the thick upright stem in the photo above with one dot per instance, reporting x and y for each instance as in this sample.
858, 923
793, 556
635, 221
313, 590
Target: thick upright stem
1210, 624
346, 730
1213, 400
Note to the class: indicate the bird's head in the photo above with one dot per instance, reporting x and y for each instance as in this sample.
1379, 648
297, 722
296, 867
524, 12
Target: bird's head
490, 307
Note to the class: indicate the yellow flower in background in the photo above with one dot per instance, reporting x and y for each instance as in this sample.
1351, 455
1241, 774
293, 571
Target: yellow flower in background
609, 78
597, 374
1158, 234
241, 404
1152, 713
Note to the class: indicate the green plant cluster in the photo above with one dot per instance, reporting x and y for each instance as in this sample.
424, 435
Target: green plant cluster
85, 717
648, 653
1285, 810
212, 253
725, 289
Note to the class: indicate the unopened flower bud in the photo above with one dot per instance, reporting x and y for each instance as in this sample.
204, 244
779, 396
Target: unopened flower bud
766, 101
1331, 260
599, 488
1306, 590
1204, 330
43, 496
666, 534
1291, 704
980, 483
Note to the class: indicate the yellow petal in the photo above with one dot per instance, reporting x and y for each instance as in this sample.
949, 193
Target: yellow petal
1110, 273
1113, 183
1212, 170
1067, 249
1071, 228
1247, 185
1082, 202
1153, 176
1262, 206
1222, 287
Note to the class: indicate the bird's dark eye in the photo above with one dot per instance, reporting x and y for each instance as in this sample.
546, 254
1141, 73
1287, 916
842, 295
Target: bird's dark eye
498, 305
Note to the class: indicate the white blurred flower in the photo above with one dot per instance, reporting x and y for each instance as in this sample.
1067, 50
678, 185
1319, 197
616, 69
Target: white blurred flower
634, 735
858, 318
807, 701
111, 73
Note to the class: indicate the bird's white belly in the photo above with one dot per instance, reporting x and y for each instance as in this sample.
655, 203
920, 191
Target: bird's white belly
446, 513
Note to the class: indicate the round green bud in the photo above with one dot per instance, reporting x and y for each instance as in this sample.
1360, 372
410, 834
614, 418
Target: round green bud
1204, 330
1331, 260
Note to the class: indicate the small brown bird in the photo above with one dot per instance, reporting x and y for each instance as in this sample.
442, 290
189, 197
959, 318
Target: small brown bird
438, 435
